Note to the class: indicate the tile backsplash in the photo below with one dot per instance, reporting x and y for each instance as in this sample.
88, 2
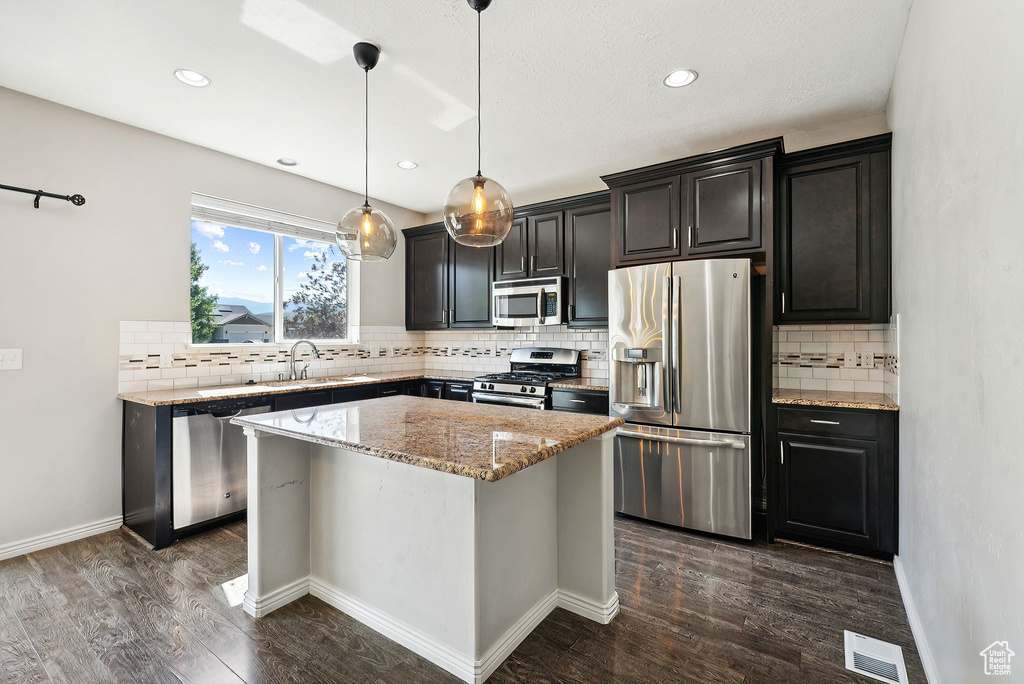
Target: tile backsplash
156, 355
841, 358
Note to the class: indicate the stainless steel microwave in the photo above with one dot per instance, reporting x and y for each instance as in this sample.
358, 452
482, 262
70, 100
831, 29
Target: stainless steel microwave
530, 301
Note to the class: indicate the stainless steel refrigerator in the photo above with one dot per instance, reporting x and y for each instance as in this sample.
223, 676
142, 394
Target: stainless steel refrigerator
679, 338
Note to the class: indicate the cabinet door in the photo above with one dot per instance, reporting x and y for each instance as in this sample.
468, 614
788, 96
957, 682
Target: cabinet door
723, 209
458, 391
546, 244
426, 281
302, 400
415, 388
512, 253
647, 221
341, 396
587, 234
833, 491
834, 241
470, 273
435, 389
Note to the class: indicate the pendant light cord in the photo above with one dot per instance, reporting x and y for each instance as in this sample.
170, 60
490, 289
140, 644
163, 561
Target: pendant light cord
366, 139
478, 80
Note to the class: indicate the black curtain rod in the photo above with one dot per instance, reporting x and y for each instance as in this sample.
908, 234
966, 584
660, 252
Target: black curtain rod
77, 200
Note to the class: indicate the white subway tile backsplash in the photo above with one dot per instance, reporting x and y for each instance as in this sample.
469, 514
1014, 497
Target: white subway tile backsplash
383, 348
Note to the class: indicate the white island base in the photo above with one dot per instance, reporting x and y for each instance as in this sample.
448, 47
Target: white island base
457, 569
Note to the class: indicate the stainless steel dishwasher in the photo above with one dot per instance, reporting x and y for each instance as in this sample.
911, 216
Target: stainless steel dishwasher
208, 455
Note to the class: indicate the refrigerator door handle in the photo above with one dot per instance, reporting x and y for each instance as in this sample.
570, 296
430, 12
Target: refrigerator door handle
677, 287
633, 434
668, 341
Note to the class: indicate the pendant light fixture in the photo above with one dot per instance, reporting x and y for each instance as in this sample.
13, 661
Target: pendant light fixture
365, 233
478, 211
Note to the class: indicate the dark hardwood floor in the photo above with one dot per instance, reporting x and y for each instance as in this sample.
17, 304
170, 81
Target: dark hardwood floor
694, 609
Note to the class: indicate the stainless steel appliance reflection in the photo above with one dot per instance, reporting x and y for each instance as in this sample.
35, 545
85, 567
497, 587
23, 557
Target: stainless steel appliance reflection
679, 337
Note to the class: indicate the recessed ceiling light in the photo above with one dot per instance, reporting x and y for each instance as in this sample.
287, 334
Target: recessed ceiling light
683, 77
192, 78
407, 165
285, 161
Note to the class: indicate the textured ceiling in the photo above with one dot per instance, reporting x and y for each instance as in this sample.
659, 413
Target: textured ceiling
572, 89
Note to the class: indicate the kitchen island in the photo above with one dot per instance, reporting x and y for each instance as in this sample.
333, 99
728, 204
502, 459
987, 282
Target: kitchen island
451, 528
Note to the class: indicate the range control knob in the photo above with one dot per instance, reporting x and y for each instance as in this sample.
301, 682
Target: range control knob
491, 386
523, 388
533, 390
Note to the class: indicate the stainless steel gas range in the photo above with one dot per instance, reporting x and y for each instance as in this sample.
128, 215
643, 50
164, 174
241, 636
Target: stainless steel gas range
526, 384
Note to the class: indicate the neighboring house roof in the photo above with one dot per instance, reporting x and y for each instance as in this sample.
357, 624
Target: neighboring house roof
237, 314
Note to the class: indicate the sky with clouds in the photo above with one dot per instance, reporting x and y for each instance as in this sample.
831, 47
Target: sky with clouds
241, 261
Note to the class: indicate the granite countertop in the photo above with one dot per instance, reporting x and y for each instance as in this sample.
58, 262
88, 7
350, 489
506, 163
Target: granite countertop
482, 441
194, 395
861, 400
579, 384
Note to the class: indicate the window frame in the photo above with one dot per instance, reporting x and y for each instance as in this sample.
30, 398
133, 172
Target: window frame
281, 225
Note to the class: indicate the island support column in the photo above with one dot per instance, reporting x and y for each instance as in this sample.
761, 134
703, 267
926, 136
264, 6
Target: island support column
278, 521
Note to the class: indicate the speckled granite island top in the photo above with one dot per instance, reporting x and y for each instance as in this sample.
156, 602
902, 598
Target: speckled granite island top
481, 441
861, 400
194, 395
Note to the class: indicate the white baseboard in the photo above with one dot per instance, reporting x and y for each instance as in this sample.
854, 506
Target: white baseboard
275, 599
511, 639
413, 639
598, 612
461, 665
931, 671
45, 541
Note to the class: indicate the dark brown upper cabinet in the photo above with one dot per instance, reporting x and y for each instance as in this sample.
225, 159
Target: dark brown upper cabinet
447, 285
513, 253
588, 232
426, 278
723, 208
708, 205
546, 243
834, 238
647, 220
470, 274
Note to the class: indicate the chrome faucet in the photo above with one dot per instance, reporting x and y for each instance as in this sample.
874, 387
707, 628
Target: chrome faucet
291, 366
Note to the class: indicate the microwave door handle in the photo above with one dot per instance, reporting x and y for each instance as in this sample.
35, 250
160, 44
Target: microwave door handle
666, 344
677, 342
540, 306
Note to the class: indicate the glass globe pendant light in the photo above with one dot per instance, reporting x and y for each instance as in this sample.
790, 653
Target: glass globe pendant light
365, 233
478, 212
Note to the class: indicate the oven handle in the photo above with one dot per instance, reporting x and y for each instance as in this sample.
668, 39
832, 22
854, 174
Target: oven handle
690, 441
506, 399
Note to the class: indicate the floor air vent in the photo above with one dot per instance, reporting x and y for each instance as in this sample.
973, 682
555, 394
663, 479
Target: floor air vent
873, 658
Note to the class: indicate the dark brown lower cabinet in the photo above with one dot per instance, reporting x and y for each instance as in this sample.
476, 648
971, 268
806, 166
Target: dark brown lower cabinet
458, 391
834, 489
579, 401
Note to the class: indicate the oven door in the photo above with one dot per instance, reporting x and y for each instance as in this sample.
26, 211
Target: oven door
509, 400
527, 302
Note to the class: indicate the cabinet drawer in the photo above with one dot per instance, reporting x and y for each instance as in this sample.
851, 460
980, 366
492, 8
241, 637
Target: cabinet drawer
579, 402
826, 421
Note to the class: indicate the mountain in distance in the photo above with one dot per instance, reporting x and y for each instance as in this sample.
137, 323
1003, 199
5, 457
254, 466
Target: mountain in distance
258, 308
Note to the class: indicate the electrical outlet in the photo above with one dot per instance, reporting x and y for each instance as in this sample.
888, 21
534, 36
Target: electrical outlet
867, 359
10, 359
850, 359
165, 359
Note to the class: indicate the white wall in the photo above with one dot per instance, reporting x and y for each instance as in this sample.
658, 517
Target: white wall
69, 274
957, 113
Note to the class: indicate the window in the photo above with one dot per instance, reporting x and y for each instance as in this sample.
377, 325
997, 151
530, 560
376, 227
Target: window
259, 275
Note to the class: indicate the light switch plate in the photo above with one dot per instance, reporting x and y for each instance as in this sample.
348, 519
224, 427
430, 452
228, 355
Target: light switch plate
850, 359
867, 359
10, 359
